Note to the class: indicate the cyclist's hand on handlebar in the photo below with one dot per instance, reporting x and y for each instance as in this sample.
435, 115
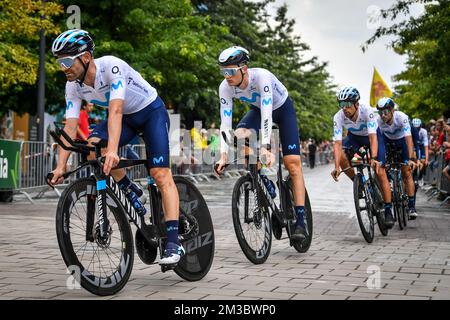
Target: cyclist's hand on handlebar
376, 165
111, 160
56, 176
335, 173
267, 157
412, 164
220, 165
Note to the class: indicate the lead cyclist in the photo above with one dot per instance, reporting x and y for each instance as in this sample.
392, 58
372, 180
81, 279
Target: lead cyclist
133, 105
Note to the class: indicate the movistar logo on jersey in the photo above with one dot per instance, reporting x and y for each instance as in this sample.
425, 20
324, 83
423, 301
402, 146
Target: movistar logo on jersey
116, 86
227, 113
337, 131
158, 160
267, 102
255, 95
405, 129
361, 127
371, 124
102, 103
69, 105
292, 146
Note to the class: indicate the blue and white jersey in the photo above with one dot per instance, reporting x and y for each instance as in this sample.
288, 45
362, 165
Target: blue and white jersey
364, 125
114, 79
263, 91
399, 128
423, 137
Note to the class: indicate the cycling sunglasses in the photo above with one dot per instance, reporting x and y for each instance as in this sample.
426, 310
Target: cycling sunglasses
384, 112
229, 72
67, 62
345, 104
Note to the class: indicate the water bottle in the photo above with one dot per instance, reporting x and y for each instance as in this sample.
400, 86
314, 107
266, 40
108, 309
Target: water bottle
268, 183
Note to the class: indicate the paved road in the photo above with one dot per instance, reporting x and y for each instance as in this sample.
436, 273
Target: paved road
412, 264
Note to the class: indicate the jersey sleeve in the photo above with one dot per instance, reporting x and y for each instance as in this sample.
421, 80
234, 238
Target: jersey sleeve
404, 122
73, 101
372, 123
265, 88
337, 127
226, 113
116, 77
425, 137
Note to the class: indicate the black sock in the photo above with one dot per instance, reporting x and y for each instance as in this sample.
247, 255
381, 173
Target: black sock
172, 231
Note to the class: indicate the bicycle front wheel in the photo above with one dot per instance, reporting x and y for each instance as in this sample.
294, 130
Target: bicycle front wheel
101, 266
251, 221
398, 203
363, 208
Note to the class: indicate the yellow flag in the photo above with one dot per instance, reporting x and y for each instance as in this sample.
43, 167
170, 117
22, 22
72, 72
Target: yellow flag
379, 88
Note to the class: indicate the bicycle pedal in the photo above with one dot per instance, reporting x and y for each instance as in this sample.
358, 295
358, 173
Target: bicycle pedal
168, 267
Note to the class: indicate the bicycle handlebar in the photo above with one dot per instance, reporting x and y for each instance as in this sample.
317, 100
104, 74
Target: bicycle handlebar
76, 146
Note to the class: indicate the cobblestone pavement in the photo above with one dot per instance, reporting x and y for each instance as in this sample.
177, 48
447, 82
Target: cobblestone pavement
413, 263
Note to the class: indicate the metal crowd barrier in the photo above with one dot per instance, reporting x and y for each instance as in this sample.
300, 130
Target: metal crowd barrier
39, 158
437, 182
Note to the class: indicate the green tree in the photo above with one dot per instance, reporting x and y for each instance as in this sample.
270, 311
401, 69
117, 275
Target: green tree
20, 22
423, 87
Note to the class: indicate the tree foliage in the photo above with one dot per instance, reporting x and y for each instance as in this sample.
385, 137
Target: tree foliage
174, 44
423, 87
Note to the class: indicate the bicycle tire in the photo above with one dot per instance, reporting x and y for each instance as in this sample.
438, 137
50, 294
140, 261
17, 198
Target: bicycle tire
244, 188
300, 246
378, 212
368, 233
197, 261
403, 205
397, 203
120, 273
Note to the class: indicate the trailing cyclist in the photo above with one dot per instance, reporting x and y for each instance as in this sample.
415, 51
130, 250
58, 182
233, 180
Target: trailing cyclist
423, 145
362, 128
269, 101
133, 105
396, 130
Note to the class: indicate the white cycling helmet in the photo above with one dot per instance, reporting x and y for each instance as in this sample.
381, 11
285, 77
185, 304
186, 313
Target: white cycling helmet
417, 122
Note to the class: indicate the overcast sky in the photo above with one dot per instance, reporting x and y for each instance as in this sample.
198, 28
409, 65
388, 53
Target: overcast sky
335, 31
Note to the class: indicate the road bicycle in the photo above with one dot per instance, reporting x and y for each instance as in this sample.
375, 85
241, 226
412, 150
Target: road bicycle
256, 216
367, 194
93, 226
399, 198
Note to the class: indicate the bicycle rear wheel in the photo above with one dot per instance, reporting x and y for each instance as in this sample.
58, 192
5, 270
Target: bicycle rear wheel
397, 202
251, 221
197, 227
300, 246
363, 208
101, 267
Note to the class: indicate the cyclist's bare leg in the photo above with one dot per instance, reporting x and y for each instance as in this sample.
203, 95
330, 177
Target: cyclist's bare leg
384, 185
293, 164
117, 174
408, 180
345, 166
169, 193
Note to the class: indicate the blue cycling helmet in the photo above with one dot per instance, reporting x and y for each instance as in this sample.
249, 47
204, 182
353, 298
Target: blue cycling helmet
385, 103
348, 94
417, 122
233, 56
72, 42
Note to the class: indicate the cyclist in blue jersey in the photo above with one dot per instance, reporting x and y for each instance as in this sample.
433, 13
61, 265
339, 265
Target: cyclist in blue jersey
269, 101
396, 130
362, 127
133, 106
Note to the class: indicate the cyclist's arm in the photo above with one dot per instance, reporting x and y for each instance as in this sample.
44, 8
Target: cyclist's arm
73, 107
410, 144
373, 145
114, 123
337, 149
226, 115
71, 129
337, 138
266, 106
